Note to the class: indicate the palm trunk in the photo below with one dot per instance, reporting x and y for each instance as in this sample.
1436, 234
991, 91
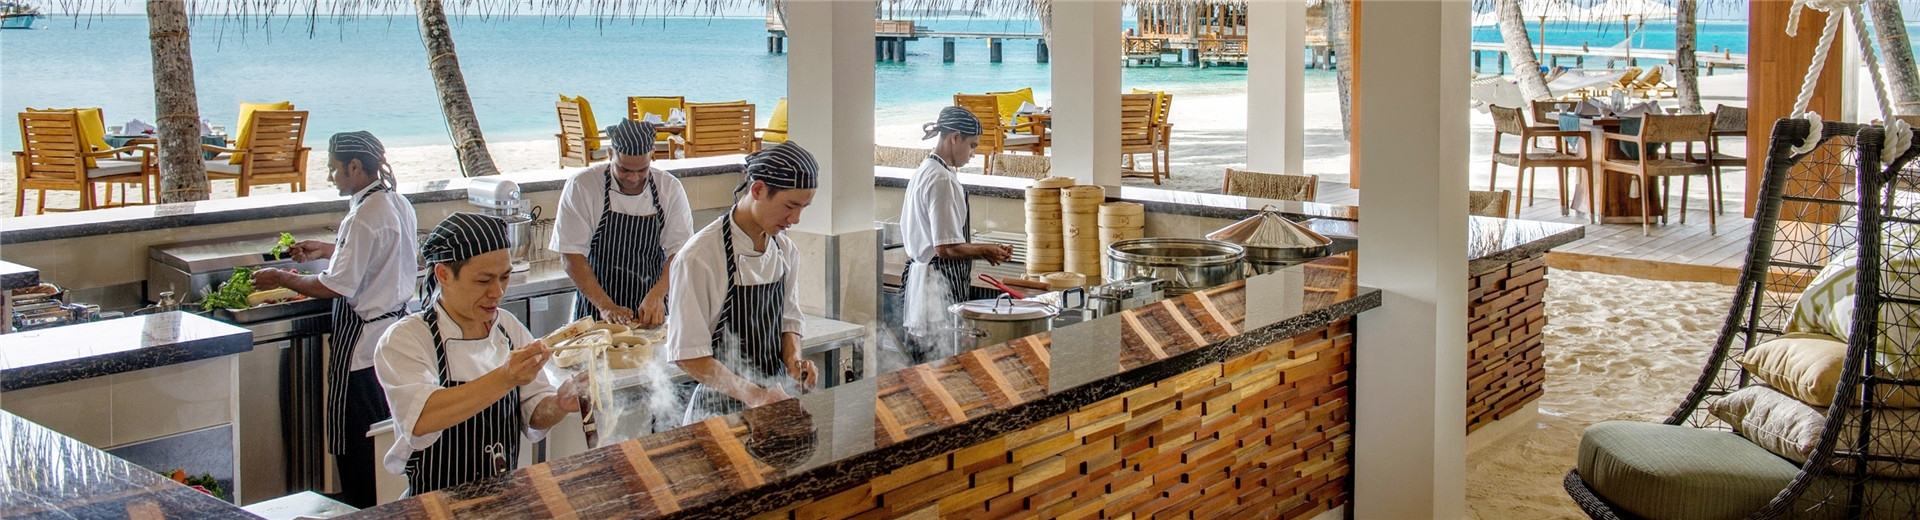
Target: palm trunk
1903, 81
1686, 64
1526, 67
183, 177
454, 101
1340, 37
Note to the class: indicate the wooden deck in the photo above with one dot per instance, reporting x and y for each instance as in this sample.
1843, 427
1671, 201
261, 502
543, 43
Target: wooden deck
1672, 252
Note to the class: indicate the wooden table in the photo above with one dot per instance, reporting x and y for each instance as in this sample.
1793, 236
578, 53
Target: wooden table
1617, 204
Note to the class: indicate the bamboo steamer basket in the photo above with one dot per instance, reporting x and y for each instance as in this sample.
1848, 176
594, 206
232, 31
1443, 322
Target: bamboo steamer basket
1053, 182
1122, 208
1046, 256
1064, 280
1078, 230
1044, 242
1043, 195
1109, 235
1084, 193
1122, 221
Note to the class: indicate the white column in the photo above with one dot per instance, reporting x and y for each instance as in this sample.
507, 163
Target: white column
1276, 85
1411, 146
1086, 90
830, 108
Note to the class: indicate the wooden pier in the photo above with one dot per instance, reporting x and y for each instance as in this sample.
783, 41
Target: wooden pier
1577, 56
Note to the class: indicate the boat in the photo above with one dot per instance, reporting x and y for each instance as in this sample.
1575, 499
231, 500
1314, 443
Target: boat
15, 15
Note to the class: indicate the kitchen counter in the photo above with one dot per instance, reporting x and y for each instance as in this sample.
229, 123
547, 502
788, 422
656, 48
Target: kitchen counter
14, 276
87, 350
66, 478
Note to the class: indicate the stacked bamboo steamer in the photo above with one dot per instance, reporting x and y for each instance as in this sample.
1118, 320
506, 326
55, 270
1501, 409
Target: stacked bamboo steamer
1121, 221
1080, 207
1046, 251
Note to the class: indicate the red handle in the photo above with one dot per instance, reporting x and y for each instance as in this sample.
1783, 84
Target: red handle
984, 277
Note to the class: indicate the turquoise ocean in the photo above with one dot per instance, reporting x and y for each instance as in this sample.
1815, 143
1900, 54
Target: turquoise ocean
370, 73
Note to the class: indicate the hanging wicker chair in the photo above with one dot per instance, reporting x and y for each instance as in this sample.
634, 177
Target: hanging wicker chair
1860, 455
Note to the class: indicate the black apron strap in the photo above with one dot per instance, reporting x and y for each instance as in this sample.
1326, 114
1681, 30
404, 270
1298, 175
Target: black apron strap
347, 329
626, 254
484, 446
746, 337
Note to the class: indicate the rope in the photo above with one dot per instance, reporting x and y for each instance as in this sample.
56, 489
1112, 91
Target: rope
1899, 135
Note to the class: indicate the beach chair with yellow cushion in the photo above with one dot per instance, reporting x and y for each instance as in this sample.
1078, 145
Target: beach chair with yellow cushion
273, 151
1138, 136
716, 129
994, 136
1163, 107
579, 136
661, 106
56, 153
776, 130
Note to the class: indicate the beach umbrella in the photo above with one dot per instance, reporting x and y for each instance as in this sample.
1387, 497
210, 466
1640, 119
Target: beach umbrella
1627, 10
1543, 10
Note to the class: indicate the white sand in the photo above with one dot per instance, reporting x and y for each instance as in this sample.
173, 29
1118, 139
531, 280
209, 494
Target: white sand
1617, 348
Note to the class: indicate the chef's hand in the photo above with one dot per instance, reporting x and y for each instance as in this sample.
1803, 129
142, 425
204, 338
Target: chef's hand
307, 250
803, 371
615, 314
765, 395
525, 364
268, 278
997, 254
652, 313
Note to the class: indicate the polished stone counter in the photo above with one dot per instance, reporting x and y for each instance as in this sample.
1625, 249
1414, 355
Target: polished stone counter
88, 350
14, 276
1491, 242
1154, 200
46, 475
762, 459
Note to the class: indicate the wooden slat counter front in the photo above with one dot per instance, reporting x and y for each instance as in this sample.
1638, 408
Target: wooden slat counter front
1229, 401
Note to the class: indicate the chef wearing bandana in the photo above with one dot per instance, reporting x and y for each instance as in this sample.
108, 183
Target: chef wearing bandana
934, 221
619, 225
734, 319
370, 279
463, 377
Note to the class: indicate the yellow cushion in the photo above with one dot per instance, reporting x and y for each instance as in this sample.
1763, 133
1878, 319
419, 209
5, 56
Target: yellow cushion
586, 120
1009, 104
777, 126
1807, 367
245, 135
93, 130
659, 106
1159, 96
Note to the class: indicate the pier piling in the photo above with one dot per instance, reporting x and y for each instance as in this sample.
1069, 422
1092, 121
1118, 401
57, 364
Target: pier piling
1040, 51
993, 50
946, 50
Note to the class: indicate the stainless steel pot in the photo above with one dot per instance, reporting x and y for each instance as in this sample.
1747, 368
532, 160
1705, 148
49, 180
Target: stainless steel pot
981, 323
1273, 242
1185, 264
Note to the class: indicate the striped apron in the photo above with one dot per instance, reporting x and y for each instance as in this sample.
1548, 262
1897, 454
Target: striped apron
626, 256
347, 329
484, 446
958, 275
750, 315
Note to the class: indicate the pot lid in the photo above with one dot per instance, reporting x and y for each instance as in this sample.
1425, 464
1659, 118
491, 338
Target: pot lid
1003, 309
1270, 230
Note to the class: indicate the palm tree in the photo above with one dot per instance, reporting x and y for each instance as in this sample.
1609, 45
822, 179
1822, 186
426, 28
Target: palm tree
1686, 65
454, 101
1340, 37
183, 177
1526, 67
1902, 79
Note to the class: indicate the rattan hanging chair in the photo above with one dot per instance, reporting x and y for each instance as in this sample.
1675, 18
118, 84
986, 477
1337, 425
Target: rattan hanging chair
1720, 455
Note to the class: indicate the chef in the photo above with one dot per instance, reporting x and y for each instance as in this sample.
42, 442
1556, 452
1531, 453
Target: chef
619, 225
370, 280
734, 316
463, 377
935, 222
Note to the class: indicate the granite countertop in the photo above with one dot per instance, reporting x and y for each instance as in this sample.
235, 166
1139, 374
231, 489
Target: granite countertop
217, 211
65, 478
1154, 200
87, 350
826, 440
14, 276
1491, 242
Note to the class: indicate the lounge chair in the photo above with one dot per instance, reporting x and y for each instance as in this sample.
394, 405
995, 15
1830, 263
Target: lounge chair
776, 130
1139, 136
1653, 85
994, 136
579, 137
716, 129
274, 152
54, 155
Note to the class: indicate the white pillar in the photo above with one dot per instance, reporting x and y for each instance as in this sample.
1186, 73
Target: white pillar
830, 108
1411, 146
1086, 90
1276, 85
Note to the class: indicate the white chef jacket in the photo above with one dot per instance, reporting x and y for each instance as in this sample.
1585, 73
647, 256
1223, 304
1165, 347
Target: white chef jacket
699, 286
580, 208
935, 214
375, 263
408, 372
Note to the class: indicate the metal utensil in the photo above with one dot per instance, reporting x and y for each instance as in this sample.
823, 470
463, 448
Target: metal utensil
984, 277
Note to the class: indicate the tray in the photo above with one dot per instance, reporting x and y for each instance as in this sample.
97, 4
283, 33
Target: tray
275, 311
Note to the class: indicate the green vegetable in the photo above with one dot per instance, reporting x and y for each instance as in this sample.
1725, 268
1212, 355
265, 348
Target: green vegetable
206, 480
233, 294
280, 249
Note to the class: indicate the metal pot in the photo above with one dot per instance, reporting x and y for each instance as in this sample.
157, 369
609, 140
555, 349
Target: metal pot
520, 236
1185, 264
982, 323
1273, 242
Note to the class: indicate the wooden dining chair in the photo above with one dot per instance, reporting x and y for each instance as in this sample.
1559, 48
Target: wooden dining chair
1028, 166
662, 106
580, 142
899, 157
1277, 186
1666, 162
1488, 203
1529, 159
1727, 122
1163, 126
716, 129
275, 154
995, 136
1139, 136
54, 156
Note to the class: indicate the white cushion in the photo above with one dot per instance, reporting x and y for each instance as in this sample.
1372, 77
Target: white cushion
602, 153
110, 168
1022, 140
1791, 429
220, 165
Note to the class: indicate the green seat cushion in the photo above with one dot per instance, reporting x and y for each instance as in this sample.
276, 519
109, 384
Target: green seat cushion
1671, 472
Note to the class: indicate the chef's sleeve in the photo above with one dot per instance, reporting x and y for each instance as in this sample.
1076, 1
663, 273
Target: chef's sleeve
579, 214
408, 372
679, 213
692, 303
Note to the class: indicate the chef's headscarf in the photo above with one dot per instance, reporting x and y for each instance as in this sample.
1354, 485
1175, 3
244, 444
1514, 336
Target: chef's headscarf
632, 138
362, 145
785, 166
462, 236
953, 119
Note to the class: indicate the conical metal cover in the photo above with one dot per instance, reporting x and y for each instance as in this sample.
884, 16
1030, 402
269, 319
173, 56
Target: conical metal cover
1269, 229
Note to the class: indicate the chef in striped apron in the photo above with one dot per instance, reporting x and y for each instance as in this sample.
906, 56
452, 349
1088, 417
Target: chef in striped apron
734, 320
619, 225
463, 377
370, 279
934, 220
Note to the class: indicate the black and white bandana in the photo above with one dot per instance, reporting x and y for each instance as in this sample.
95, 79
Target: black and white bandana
363, 143
462, 236
632, 138
785, 165
954, 119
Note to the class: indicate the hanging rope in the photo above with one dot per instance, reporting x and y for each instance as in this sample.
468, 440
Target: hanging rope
1899, 134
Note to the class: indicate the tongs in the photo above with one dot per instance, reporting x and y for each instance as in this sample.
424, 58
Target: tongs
984, 277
